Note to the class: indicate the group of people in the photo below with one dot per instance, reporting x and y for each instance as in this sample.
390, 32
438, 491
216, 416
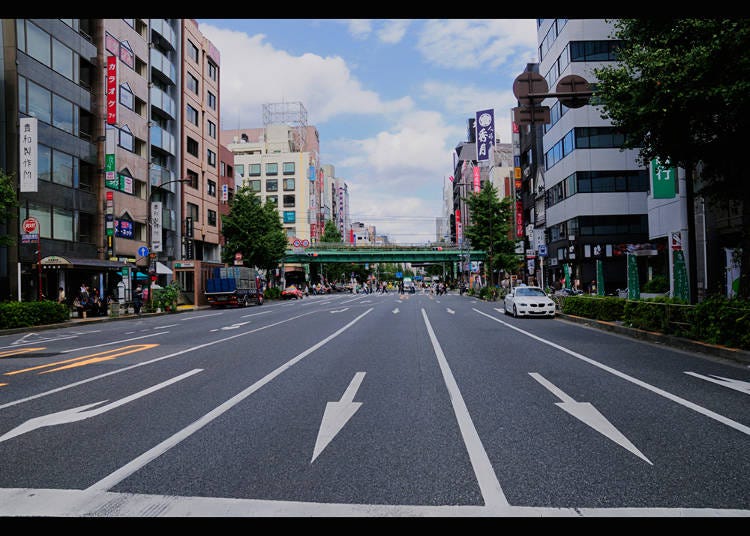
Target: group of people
88, 301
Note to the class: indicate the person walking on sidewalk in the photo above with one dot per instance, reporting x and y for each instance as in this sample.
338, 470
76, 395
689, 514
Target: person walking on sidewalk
138, 299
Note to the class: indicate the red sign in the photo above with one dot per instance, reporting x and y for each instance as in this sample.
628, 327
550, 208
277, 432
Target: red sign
476, 179
111, 90
519, 218
238, 256
30, 225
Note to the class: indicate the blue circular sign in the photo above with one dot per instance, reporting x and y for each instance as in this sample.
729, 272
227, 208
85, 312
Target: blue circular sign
142, 251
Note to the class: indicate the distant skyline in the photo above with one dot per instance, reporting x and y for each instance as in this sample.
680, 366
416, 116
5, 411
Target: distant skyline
391, 98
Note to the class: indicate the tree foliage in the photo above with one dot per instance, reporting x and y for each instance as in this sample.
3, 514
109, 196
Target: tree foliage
680, 91
8, 204
331, 233
491, 222
254, 229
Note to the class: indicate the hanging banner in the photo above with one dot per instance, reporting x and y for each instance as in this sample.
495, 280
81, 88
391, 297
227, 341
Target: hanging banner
634, 287
485, 133
477, 180
733, 272
28, 155
156, 227
599, 278
568, 279
681, 289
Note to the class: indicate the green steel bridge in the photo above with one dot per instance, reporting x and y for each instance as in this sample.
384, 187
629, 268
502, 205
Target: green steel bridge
341, 253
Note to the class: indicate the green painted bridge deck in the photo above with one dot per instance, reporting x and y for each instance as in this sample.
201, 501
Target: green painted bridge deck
375, 254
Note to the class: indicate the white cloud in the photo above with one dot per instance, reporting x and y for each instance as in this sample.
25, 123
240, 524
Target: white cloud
254, 73
478, 43
393, 31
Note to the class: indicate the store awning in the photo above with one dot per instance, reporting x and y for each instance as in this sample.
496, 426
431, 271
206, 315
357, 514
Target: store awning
59, 262
163, 268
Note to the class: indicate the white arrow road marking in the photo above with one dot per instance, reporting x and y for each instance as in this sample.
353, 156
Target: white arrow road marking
82, 412
395, 311
38, 339
339, 310
236, 325
737, 385
255, 314
588, 414
451, 311
337, 414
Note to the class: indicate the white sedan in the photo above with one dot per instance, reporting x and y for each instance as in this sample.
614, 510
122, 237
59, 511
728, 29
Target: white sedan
528, 301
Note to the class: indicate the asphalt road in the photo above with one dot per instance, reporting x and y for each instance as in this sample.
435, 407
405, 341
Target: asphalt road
366, 405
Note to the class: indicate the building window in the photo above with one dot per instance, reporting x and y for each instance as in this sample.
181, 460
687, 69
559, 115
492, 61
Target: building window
211, 188
192, 51
43, 214
213, 71
595, 50
40, 102
288, 185
38, 44
193, 176
192, 146
63, 168
272, 168
272, 185
289, 216
127, 98
239, 170
192, 115
192, 83
212, 129
127, 140
211, 157
288, 168
211, 217
223, 169
274, 199
289, 201
254, 185
64, 115
253, 170
126, 55
211, 98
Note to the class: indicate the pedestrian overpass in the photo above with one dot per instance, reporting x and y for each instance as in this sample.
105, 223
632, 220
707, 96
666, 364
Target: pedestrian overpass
343, 253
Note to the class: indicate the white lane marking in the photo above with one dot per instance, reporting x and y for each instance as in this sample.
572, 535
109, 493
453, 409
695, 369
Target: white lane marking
32, 502
39, 339
134, 465
674, 398
451, 311
395, 311
256, 314
200, 316
737, 385
236, 325
339, 310
83, 412
144, 363
588, 414
167, 326
114, 342
492, 493
337, 414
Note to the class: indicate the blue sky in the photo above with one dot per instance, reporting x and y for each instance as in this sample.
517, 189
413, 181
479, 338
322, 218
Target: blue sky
390, 98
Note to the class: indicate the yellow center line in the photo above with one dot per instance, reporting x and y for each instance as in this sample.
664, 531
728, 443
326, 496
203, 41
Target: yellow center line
86, 359
17, 351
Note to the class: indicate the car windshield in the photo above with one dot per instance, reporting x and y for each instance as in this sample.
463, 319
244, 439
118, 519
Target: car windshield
526, 291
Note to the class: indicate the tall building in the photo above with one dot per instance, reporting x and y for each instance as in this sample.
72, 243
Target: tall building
340, 206
200, 145
594, 192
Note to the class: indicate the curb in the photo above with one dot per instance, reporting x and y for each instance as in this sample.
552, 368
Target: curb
715, 350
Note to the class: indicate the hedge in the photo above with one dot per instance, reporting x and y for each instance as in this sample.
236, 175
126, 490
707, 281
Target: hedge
14, 314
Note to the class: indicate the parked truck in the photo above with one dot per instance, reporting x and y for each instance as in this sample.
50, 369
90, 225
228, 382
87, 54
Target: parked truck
234, 286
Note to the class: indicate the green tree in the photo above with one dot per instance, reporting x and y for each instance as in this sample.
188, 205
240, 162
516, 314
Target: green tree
8, 205
490, 227
681, 92
331, 233
254, 229
331, 271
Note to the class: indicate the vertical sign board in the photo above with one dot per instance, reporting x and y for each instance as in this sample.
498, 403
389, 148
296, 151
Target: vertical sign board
477, 182
28, 154
110, 225
111, 89
459, 227
485, 133
110, 176
663, 180
156, 208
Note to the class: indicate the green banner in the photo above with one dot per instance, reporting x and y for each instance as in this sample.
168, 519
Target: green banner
566, 272
663, 180
634, 287
110, 177
681, 288
599, 278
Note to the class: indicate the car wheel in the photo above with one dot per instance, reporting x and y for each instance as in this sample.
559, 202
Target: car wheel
515, 312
